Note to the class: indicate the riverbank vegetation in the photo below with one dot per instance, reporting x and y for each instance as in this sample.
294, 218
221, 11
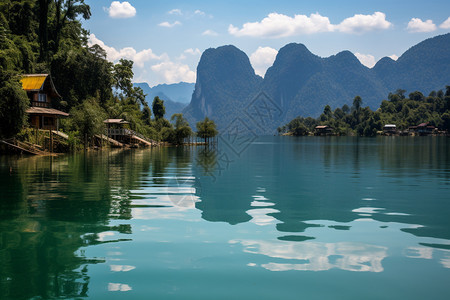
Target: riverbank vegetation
398, 110
47, 37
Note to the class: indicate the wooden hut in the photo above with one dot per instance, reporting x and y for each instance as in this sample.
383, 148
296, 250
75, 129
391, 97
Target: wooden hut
324, 130
422, 129
41, 91
389, 129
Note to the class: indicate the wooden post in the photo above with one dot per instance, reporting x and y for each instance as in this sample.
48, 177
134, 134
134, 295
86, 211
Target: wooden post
51, 141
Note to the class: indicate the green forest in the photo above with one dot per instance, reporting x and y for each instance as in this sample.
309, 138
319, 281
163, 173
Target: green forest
362, 121
47, 37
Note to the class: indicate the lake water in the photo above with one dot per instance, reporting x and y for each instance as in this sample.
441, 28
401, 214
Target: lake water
252, 218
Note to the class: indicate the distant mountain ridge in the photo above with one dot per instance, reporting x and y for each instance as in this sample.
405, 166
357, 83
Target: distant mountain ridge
176, 96
301, 83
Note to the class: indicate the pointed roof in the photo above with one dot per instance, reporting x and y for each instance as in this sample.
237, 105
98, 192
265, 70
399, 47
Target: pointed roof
36, 83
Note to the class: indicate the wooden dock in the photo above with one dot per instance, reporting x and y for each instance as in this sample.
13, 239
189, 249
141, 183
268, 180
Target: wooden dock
141, 140
109, 140
26, 148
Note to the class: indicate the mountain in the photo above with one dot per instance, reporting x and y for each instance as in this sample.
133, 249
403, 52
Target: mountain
177, 92
225, 83
303, 83
300, 83
176, 96
424, 67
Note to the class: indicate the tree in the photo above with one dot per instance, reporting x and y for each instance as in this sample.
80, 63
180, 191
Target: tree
327, 111
122, 75
357, 102
147, 115
87, 118
206, 129
158, 108
66, 11
345, 109
182, 128
13, 104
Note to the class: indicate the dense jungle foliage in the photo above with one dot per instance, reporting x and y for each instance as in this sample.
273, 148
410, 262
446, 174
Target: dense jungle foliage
47, 37
362, 121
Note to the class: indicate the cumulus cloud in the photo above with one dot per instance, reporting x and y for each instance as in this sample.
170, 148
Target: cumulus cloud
199, 13
446, 24
417, 25
172, 72
363, 23
191, 51
210, 32
175, 11
113, 54
393, 56
121, 10
262, 59
366, 59
148, 66
169, 25
278, 25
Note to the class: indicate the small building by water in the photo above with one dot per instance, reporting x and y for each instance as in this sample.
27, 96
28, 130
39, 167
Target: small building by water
323, 130
422, 129
390, 129
41, 91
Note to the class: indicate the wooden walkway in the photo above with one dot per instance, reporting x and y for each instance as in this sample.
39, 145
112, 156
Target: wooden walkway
61, 134
141, 140
110, 140
26, 148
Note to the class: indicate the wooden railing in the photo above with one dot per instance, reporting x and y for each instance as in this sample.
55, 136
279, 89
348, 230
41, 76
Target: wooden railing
40, 104
120, 131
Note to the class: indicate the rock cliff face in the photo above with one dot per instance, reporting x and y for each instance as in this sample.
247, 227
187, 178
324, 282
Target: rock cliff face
300, 83
226, 81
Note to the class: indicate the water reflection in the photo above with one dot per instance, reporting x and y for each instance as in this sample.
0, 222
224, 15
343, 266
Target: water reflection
400, 181
52, 209
286, 204
313, 256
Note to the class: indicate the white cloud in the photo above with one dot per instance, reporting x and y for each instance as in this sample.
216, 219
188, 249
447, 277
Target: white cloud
169, 25
191, 51
171, 72
121, 10
278, 25
148, 66
446, 24
262, 59
366, 59
199, 13
210, 32
393, 56
175, 11
363, 23
417, 25
113, 54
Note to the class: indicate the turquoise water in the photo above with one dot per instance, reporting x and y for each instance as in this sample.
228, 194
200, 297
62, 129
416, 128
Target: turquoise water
266, 218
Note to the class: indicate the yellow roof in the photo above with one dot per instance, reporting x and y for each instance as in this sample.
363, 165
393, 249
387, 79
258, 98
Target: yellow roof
33, 82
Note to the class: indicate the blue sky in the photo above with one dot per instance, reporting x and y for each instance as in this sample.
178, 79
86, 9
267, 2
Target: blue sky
165, 39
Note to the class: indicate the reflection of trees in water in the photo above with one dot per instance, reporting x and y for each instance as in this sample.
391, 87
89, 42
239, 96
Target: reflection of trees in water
54, 207
207, 160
